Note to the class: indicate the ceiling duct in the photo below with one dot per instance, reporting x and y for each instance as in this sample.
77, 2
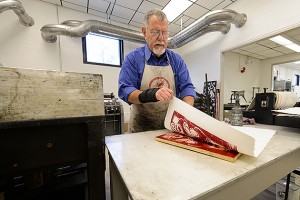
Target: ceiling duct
222, 27
17, 7
219, 20
76, 28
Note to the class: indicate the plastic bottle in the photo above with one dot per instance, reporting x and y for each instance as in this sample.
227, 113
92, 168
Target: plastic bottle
237, 113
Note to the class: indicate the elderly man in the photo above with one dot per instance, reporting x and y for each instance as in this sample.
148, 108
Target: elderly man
151, 75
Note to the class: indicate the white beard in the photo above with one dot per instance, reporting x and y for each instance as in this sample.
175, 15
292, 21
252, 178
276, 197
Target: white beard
159, 52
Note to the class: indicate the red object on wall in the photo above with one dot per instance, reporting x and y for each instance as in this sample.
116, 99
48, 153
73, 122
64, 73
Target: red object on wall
243, 69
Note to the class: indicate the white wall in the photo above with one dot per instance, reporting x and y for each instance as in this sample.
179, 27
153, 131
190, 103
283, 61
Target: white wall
264, 18
237, 81
23, 47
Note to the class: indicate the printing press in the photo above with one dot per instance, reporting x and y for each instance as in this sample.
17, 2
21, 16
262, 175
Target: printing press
266, 108
51, 135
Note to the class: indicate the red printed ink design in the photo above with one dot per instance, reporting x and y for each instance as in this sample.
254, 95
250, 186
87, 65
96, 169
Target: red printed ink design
183, 126
199, 145
159, 82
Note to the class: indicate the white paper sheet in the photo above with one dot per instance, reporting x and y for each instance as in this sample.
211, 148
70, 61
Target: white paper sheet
291, 111
250, 141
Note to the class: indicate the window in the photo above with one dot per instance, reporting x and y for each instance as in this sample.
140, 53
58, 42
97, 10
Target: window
102, 50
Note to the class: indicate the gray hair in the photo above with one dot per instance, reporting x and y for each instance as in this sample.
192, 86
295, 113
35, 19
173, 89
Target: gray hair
157, 12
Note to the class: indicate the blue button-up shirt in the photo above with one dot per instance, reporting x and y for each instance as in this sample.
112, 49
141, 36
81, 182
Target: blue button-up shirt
131, 73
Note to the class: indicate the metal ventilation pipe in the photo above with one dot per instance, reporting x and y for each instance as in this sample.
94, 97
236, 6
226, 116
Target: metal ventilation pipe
17, 7
213, 21
225, 15
76, 28
223, 27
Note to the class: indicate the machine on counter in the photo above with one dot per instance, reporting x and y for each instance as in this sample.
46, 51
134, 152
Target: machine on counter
263, 105
114, 115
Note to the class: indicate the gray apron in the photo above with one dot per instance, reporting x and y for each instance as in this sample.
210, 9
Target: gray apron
150, 116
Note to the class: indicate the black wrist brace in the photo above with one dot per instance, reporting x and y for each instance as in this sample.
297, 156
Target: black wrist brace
148, 95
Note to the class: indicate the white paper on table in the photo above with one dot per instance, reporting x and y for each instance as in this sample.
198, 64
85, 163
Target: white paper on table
291, 111
250, 141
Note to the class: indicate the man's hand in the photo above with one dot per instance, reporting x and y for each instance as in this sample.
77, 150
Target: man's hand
164, 94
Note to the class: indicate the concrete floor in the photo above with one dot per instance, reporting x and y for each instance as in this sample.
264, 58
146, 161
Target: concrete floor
268, 194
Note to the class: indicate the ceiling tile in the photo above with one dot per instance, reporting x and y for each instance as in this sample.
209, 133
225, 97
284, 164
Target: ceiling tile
264, 42
129, 4
297, 37
159, 2
53, 1
293, 32
74, 6
209, 4
270, 53
138, 17
272, 44
119, 19
82, 3
146, 6
135, 28
195, 11
189, 22
223, 5
136, 24
99, 5
258, 56
284, 50
174, 28
181, 19
105, 16
258, 49
250, 46
117, 23
122, 11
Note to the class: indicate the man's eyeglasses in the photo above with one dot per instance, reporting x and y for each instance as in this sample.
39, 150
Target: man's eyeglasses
156, 33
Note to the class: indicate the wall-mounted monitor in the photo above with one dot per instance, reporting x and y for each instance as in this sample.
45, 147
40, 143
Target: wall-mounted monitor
102, 50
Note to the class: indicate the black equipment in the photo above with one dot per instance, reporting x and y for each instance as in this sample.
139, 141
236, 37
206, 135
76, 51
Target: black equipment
53, 159
262, 113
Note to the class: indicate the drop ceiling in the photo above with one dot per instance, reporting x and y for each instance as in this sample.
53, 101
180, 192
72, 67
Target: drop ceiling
130, 13
266, 48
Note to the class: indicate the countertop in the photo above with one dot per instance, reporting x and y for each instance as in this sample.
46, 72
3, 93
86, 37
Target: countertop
153, 170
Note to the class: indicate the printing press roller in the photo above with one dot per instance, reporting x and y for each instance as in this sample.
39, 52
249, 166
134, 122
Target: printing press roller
263, 105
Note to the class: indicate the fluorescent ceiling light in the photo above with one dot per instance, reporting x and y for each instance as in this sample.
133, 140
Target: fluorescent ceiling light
294, 47
281, 40
285, 42
175, 7
297, 62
